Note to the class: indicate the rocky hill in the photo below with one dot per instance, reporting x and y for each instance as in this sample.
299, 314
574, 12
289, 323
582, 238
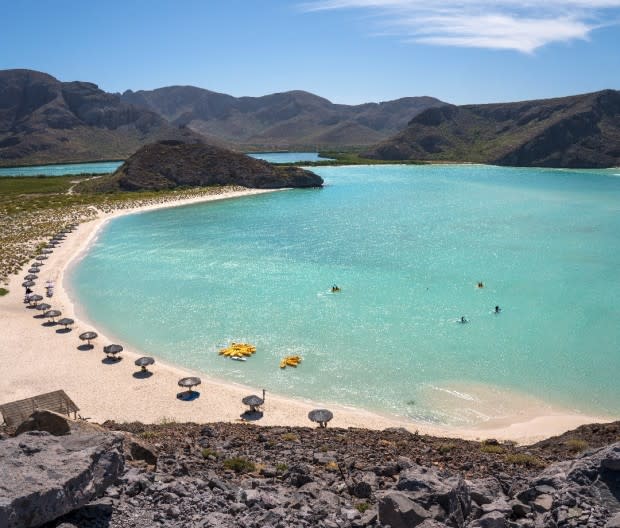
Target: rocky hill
571, 132
172, 164
241, 475
280, 120
43, 120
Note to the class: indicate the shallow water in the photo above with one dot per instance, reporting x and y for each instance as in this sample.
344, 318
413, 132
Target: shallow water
407, 245
100, 167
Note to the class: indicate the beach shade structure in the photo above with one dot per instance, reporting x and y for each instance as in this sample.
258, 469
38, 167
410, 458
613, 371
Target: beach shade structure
34, 270
31, 277
50, 246
44, 306
88, 336
254, 401
52, 314
28, 284
36, 264
46, 251
66, 230
35, 298
188, 383
66, 321
41, 257
320, 416
144, 362
112, 350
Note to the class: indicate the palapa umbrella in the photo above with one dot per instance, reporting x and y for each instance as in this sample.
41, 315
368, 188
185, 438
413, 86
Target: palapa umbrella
28, 283
31, 276
41, 257
254, 401
35, 298
36, 264
87, 336
66, 321
66, 230
321, 416
44, 306
50, 246
144, 362
46, 251
113, 350
190, 382
52, 314
34, 270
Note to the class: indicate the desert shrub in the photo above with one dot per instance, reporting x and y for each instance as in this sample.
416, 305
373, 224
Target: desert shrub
444, 449
576, 445
524, 459
281, 467
290, 437
239, 465
208, 452
492, 449
362, 506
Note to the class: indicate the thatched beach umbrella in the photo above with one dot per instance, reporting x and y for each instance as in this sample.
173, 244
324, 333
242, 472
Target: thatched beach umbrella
66, 321
112, 350
31, 276
190, 382
28, 283
87, 336
36, 264
45, 251
52, 314
144, 362
50, 246
35, 298
40, 257
321, 416
44, 306
254, 401
34, 270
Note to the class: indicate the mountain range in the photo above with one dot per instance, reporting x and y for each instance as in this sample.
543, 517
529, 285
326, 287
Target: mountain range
580, 131
281, 120
44, 120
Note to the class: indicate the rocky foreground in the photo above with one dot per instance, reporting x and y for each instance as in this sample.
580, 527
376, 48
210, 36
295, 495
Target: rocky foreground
229, 475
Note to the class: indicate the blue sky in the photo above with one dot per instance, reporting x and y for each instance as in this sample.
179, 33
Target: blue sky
349, 51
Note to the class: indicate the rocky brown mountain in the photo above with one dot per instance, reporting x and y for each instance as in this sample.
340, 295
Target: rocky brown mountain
43, 120
280, 120
171, 164
571, 132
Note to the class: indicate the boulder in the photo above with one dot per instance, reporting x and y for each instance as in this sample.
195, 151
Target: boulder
399, 511
56, 424
484, 490
54, 475
445, 495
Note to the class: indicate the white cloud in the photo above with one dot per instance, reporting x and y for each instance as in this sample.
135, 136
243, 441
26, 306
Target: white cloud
501, 24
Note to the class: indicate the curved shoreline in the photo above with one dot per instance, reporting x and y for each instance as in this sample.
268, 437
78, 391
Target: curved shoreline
50, 361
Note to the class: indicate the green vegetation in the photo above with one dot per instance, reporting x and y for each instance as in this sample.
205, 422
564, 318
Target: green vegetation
290, 437
3, 292
492, 449
239, 465
362, 506
208, 452
524, 459
348, 157
148, 435
281, 467
444, 449
576, 445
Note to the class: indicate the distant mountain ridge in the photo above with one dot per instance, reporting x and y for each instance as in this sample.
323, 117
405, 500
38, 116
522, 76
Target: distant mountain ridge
581, 131
280, 120
43, 120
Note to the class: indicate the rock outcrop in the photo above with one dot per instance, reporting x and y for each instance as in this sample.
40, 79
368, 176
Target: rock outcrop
581, 131
45, 476
172, 164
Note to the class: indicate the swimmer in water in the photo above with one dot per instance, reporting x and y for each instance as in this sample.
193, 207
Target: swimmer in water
463, 320
335, 288
497, 309
481, 285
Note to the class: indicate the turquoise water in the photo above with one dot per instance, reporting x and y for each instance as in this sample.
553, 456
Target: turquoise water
407, 245
102, 167
287, 157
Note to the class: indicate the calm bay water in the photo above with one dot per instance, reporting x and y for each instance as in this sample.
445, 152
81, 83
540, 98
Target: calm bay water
100, 167
407, 245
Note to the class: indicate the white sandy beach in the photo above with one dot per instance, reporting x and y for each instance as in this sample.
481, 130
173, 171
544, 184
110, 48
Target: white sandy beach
35, 359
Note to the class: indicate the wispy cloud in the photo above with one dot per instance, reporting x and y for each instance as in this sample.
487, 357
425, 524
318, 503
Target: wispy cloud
501, 24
